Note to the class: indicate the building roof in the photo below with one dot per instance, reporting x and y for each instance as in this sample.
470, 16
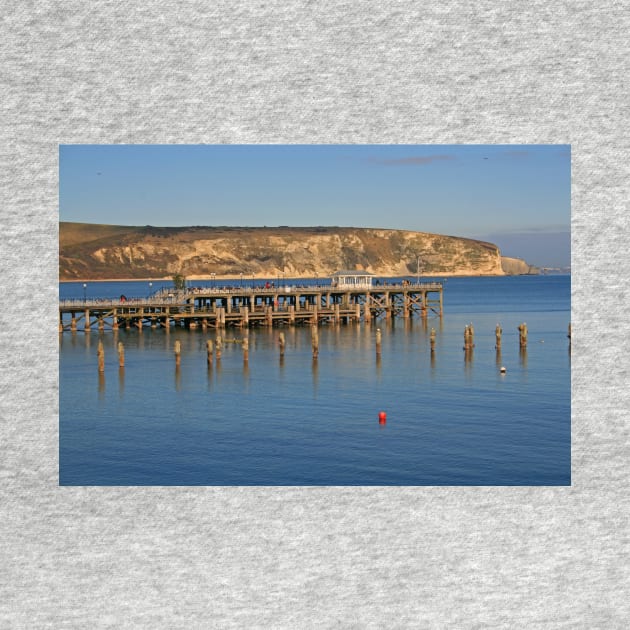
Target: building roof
352, 272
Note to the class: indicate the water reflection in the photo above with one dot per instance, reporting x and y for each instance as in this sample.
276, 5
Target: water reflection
523, 357
101, 385
315, 376
121, 381
178, 378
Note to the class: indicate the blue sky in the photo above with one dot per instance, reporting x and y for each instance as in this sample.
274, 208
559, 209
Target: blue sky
517, 196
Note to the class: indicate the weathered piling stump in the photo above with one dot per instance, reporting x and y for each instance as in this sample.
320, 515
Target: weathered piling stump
245, 344
178, 353
121, 354
498, 331
467, 339
217, 345
281, 343
100, 353
209, 352
378, 343
432, 339
522, 329
314, 342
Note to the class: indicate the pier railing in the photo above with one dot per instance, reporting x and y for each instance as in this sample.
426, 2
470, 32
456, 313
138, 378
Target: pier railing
166, 297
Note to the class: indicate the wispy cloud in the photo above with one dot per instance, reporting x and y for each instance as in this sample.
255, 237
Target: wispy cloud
414, 160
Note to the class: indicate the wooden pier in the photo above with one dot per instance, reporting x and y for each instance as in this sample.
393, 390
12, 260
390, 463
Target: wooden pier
247, 307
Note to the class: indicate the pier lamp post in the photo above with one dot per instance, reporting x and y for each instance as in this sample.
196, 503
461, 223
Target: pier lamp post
150, 288
213, 277
84, 292
241, 280
418, 271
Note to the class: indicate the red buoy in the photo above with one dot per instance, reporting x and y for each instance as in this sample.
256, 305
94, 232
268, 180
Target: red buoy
382, 417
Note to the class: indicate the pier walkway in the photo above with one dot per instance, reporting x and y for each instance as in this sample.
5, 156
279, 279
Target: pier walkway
246, 307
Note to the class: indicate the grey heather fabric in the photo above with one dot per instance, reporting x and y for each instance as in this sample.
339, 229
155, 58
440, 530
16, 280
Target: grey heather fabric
313, 72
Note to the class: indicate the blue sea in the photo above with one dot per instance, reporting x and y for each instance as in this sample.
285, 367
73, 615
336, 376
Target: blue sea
450, 419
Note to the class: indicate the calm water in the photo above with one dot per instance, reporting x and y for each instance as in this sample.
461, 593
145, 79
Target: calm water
449, 421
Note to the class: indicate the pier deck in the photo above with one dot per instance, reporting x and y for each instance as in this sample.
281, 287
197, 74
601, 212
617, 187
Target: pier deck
246, 307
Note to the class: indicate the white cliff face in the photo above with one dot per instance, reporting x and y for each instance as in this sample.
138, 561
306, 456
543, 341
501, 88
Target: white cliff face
516, 266
269, 252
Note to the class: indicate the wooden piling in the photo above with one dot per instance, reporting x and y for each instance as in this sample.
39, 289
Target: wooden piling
366, 310
100, 353
121, 354
378, 342
209, 352
498, 331
218, 348
73, 324
245, 344
432, 339
178, 352
467, 342
281, 343
315, 342
522, 329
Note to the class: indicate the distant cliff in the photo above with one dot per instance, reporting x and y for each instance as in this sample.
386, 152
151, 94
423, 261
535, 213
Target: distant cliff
516, 266
96, 252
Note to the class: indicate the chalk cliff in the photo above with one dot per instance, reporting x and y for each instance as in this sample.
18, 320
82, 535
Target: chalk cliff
517, 266
93, 252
